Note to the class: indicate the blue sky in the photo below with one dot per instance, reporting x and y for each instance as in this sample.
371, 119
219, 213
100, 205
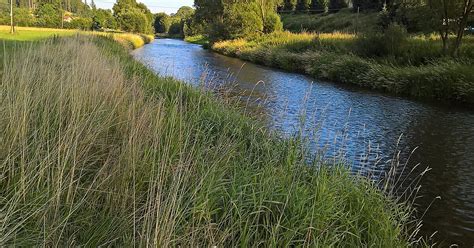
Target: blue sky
168, 6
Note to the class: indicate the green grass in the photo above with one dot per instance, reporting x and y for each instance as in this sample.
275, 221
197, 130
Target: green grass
32, 34
418, 69
343, 21
198, 39
128, 40
96, 150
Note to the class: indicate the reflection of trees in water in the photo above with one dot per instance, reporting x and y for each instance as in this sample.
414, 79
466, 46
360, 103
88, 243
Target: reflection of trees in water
446, 143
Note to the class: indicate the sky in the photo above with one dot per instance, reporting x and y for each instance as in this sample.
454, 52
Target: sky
168, 6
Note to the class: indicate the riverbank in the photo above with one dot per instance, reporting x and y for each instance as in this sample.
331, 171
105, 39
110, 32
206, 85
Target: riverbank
119, 156
339, 57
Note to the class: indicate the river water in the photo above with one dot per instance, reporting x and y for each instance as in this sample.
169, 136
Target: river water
366, 128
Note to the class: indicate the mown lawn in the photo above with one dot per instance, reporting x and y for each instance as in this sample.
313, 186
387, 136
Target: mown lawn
32, 34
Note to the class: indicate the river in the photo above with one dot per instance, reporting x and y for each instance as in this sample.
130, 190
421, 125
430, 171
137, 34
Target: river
366, 128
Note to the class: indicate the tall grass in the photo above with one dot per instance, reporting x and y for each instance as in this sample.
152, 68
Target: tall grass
343, 21
95, 150
418, 68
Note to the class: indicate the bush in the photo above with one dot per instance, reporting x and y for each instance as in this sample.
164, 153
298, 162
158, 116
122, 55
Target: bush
391, 42
83, 23
272, 23
103, 19
133, 21
23, 17
48, 16
242, 21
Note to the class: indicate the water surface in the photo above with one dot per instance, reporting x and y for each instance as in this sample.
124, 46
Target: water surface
367, 128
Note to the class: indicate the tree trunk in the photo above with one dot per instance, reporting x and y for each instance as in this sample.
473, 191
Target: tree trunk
467, 8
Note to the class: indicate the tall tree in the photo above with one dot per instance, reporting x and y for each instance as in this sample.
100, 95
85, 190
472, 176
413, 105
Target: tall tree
289, 5
451, 17
302, 5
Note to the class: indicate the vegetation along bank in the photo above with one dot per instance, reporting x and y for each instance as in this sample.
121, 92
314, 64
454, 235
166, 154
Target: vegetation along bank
412, 48
119, 156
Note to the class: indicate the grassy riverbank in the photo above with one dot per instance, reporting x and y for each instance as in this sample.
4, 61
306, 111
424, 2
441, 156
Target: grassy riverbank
343, 21
97, 150
416, 68
129, 40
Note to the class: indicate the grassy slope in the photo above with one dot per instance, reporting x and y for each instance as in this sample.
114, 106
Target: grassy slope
342, 21
97, 150
420, 70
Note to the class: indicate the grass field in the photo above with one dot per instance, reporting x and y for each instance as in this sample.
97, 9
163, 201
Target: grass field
96, 150
34, 34
31, 34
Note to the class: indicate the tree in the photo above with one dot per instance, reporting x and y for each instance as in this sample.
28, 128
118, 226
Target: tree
451, 17
49, 15
133, 17
302, 5
228, 19
336, 5
289, 5
367, 4
162, 23
103, 19
320, 5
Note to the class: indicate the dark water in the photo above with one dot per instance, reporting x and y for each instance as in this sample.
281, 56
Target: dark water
363, 126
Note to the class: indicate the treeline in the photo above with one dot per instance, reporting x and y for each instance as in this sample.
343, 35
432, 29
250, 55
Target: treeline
127, 15
222, 20
319, 6
180, 24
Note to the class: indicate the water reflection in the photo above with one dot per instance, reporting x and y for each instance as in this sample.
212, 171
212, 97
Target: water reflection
363, 126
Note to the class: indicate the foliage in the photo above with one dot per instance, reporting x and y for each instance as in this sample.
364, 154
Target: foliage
272, 23
23, 17
336, 5
302, 5
103, 19
162, 23
233, 19
342, 21
48, 15
133, 17
82, 23
364, 5
289, 5
241, 20
391, 42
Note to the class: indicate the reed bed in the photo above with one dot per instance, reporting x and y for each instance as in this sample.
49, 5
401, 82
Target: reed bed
96, 150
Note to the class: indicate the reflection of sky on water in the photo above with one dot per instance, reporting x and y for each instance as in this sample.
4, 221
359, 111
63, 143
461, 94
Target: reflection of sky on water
365, 127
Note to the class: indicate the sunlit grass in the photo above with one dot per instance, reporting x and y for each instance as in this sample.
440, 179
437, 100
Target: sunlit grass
420, 69
96, 150
33, 34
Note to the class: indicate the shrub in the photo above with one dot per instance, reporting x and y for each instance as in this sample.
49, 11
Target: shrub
83, 23
391, 42
133, 21
272, 23
242, 20
48, 16
23, 17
